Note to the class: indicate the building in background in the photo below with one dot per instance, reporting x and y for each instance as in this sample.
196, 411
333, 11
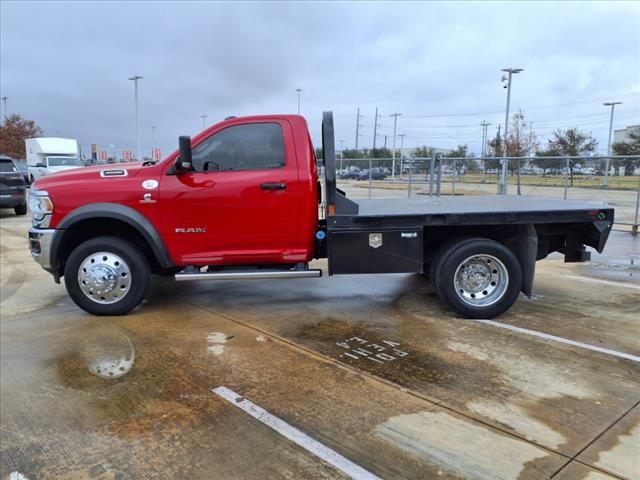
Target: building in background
622, 135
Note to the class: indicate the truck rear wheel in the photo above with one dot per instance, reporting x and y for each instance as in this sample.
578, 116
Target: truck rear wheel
107, 276
478, 278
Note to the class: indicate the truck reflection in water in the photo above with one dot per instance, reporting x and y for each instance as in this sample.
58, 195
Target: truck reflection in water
108, 354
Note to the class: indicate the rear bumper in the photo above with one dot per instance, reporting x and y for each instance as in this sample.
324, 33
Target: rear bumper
13, 198
40, 241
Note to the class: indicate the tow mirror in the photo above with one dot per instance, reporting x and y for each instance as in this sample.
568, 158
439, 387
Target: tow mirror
184, 161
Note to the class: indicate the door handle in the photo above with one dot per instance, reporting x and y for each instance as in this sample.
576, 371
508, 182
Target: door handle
273, 186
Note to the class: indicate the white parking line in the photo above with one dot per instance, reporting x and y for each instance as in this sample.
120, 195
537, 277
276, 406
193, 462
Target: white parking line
316, 448
603, 282
586, 346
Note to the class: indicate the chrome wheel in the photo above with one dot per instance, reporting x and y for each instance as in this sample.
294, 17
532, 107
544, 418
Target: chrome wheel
481, 280
104, 277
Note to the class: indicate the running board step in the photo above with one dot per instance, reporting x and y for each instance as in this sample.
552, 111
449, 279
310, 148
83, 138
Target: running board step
249, 275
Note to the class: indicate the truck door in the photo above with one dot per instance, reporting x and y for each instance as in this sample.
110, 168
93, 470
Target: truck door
240, 202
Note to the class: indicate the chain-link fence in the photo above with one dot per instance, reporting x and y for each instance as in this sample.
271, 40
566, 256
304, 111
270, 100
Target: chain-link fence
615, 180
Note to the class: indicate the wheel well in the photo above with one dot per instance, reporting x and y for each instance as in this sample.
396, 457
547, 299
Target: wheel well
90, 228
551, 236
437, 236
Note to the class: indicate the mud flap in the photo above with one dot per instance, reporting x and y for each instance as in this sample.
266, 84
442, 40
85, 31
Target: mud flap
526, 252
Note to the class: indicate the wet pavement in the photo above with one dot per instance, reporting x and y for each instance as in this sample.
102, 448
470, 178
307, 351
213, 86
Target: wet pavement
372, 367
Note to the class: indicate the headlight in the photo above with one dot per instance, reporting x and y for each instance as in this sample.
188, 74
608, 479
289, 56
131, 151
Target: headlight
41, 208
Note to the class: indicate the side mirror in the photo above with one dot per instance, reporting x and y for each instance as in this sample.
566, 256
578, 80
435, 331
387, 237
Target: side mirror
184, 161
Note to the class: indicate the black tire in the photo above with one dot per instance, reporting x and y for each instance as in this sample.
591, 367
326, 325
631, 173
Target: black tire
443, 252
506, 287
134, 260
21, 209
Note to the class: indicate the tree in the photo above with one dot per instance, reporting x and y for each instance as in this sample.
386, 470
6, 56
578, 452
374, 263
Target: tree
572, 143
630, 147
551, 163
521, 142
13, 132
347, 153
422, 152
459, 151
494, 150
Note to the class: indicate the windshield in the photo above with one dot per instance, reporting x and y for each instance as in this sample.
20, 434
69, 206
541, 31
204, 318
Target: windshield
6, 166
64, 162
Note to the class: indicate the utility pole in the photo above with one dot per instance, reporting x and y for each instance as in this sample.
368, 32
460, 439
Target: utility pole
4, 107
341, 154
375, 128
502, 186
358, 117
484, 125
298, 90
607, 164
204, 121
135, 79
401, 135
385, 142
393, 162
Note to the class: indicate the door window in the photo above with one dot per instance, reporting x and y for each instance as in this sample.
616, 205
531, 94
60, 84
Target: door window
255, 146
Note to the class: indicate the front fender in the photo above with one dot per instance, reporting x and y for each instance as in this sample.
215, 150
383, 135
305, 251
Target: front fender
118, 212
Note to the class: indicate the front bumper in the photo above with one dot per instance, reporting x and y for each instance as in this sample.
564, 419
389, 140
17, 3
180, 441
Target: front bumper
40, 241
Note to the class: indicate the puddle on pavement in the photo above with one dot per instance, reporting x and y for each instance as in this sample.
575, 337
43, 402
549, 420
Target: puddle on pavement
618, 268
121, 381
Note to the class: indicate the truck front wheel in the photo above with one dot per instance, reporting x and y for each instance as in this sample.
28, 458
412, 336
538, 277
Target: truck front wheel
107, 276
479, 278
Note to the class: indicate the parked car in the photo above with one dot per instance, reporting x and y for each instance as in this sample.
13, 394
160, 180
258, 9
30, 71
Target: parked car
24, 170
375, 175
12, 188
352, 175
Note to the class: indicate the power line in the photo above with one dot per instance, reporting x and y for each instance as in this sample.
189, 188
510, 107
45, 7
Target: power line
471, 114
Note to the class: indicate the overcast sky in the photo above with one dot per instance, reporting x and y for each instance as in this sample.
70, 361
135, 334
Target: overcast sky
65, 65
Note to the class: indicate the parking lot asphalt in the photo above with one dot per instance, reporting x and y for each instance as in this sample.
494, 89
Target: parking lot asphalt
371, 368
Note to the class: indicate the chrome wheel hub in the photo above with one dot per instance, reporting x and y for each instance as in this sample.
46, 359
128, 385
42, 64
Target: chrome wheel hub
104, 277
481, 280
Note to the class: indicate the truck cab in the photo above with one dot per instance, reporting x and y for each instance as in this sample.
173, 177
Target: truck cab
243, 200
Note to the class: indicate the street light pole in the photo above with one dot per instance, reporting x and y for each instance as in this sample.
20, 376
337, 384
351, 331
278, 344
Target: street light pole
298, 90
502, 186
135, 79
204, 121
607, 164
401, 135
393, 156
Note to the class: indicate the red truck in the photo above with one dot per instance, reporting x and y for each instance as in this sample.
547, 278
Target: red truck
244, 200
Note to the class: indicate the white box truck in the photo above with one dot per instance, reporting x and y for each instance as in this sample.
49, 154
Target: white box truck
47, 155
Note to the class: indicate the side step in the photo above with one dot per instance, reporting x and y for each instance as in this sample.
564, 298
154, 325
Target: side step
247, 275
